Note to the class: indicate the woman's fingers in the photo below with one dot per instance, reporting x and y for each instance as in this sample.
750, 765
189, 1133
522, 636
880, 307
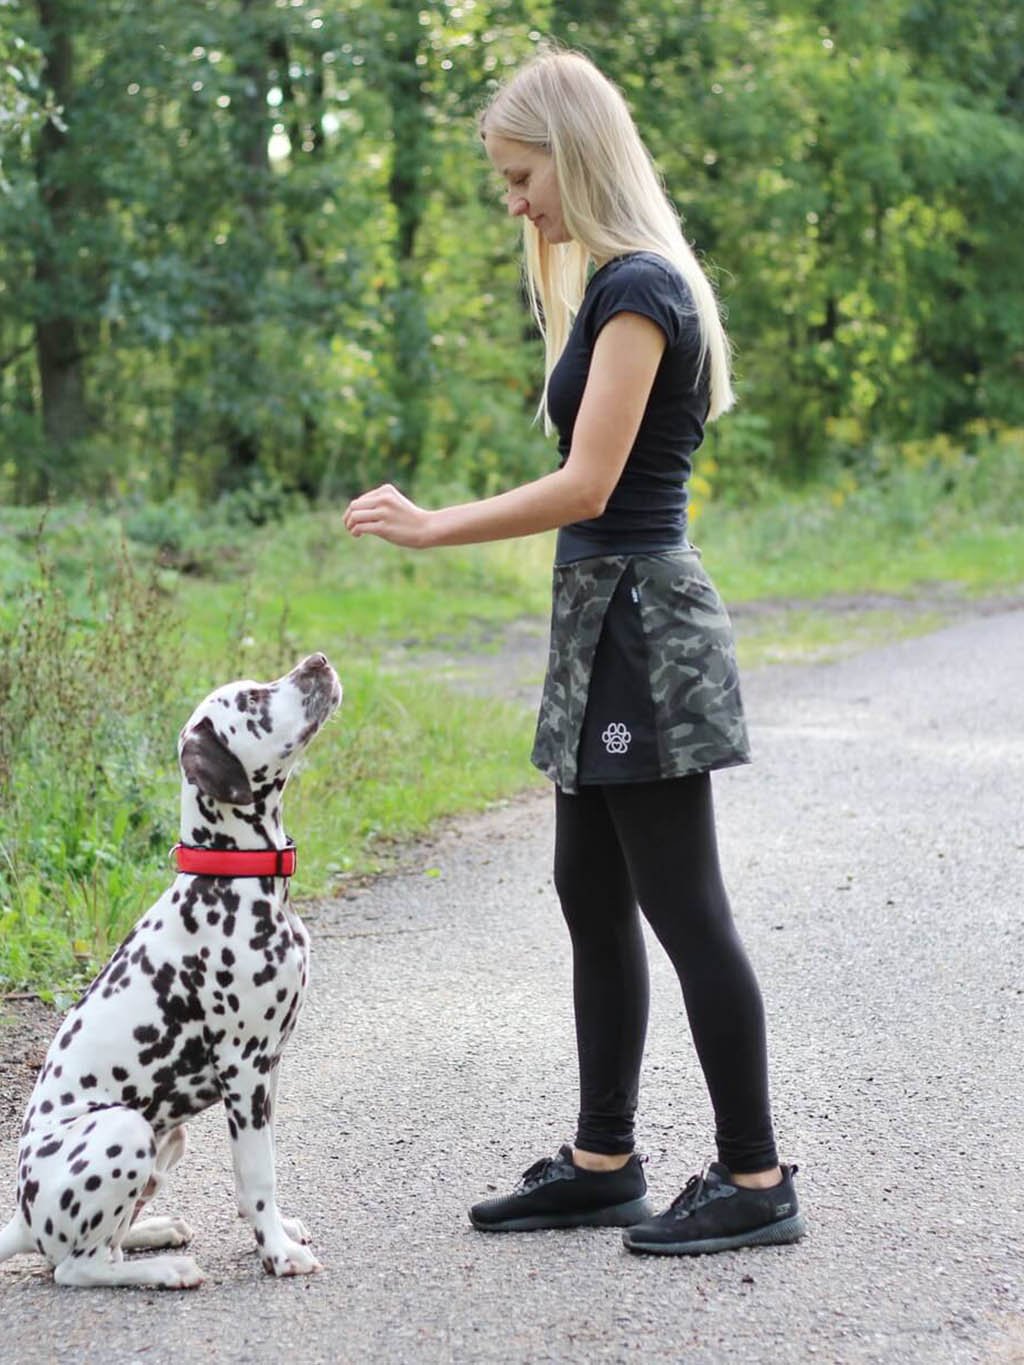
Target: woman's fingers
387, 513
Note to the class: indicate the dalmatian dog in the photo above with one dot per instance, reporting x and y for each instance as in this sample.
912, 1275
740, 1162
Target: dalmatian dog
193, 1009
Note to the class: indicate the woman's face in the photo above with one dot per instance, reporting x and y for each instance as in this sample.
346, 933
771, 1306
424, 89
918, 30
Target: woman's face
532, 186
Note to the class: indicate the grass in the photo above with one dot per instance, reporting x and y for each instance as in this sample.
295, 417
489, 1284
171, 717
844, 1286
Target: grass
106, 645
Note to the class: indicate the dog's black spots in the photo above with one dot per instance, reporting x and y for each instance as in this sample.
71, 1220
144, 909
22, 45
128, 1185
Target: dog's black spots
212, 917
146, 1033
115, 1150
233, 1003
66, 1198
115, 1174
227, 957
260, 1239
133, 1175
48, 1227
232, 1128
282, 995
267, 974
260, 1206
129, 1094
269, 1014
76, 1208
29, 1191
119, 1073
250, 1047
62, 1237
67, 1098
93, 1183
77, 1167
84, 1228
88, 1128
77, 1151
50, 1148
225, 979
260, 1106
87, 1082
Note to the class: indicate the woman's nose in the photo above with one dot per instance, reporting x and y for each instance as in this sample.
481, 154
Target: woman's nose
517, 206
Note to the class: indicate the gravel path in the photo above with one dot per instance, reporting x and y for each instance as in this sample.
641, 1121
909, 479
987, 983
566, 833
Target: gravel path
875, 854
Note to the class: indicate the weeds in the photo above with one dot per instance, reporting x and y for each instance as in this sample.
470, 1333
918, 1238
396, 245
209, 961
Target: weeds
85, 705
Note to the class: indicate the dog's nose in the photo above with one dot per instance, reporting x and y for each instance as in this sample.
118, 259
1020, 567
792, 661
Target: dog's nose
317, 661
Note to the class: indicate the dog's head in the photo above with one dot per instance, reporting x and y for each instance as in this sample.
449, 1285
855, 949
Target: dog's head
247, 735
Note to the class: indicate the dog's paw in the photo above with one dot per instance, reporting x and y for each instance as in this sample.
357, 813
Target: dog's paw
292, 1259
296, 1230
179, 1272
150, 1233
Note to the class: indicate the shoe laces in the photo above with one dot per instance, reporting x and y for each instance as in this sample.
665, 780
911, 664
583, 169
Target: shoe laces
536, 1173
693, 1194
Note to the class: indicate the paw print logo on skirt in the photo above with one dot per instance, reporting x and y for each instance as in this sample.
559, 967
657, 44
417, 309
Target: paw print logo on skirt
616, 737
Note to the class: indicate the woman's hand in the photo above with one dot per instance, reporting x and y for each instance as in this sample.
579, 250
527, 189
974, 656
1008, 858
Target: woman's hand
387, 513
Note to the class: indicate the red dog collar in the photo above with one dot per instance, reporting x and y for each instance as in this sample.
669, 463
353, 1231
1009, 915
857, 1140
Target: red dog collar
234, 862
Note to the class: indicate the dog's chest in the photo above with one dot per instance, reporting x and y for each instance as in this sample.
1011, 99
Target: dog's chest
212, 974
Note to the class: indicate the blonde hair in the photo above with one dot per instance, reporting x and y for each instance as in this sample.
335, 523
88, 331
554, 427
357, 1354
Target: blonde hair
613, 201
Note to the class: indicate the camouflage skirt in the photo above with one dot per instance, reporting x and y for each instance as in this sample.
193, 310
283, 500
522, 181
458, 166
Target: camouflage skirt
641, 680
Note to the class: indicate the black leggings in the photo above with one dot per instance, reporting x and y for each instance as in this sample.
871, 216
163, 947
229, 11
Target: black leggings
654, 843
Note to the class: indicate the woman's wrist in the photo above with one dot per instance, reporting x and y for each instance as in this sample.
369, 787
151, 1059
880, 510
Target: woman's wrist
428, 538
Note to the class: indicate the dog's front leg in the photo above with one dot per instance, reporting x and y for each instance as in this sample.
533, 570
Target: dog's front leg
252, 1153
294, 1227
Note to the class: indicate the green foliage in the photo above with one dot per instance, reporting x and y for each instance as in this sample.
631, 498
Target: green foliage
896, 518
254, 245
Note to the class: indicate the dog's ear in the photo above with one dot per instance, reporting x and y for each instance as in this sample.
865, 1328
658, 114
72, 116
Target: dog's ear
212, 767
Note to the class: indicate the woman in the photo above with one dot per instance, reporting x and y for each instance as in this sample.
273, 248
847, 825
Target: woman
641, 699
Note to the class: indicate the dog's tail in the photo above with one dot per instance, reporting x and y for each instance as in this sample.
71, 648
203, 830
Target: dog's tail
14, 1238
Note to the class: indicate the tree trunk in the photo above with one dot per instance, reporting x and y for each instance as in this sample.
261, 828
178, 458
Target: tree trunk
410, 336
251, 136
58, 348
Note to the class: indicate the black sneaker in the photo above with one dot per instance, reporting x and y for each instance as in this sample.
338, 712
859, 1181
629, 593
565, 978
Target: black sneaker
713, 1214
555, 1193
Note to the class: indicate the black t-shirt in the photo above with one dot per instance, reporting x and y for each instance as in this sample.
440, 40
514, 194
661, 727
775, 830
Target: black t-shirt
646, 512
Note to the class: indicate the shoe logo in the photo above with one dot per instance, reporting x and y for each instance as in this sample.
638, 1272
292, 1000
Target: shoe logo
782, 1209
616, 738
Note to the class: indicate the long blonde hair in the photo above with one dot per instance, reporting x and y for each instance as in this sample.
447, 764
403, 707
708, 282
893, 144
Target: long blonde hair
613, 201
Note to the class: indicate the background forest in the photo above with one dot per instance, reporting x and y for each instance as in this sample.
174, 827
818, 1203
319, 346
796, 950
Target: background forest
253, 260
250, 247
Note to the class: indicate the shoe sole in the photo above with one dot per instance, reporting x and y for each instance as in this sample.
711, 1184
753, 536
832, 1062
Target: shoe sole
615, 1216
772, 1234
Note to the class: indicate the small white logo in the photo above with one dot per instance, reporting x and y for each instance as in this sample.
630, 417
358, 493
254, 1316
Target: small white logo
616, 738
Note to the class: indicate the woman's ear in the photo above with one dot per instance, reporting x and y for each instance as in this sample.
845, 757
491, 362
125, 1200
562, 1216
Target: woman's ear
211, 766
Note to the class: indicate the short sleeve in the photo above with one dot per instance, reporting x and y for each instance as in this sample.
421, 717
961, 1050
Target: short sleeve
646, 285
